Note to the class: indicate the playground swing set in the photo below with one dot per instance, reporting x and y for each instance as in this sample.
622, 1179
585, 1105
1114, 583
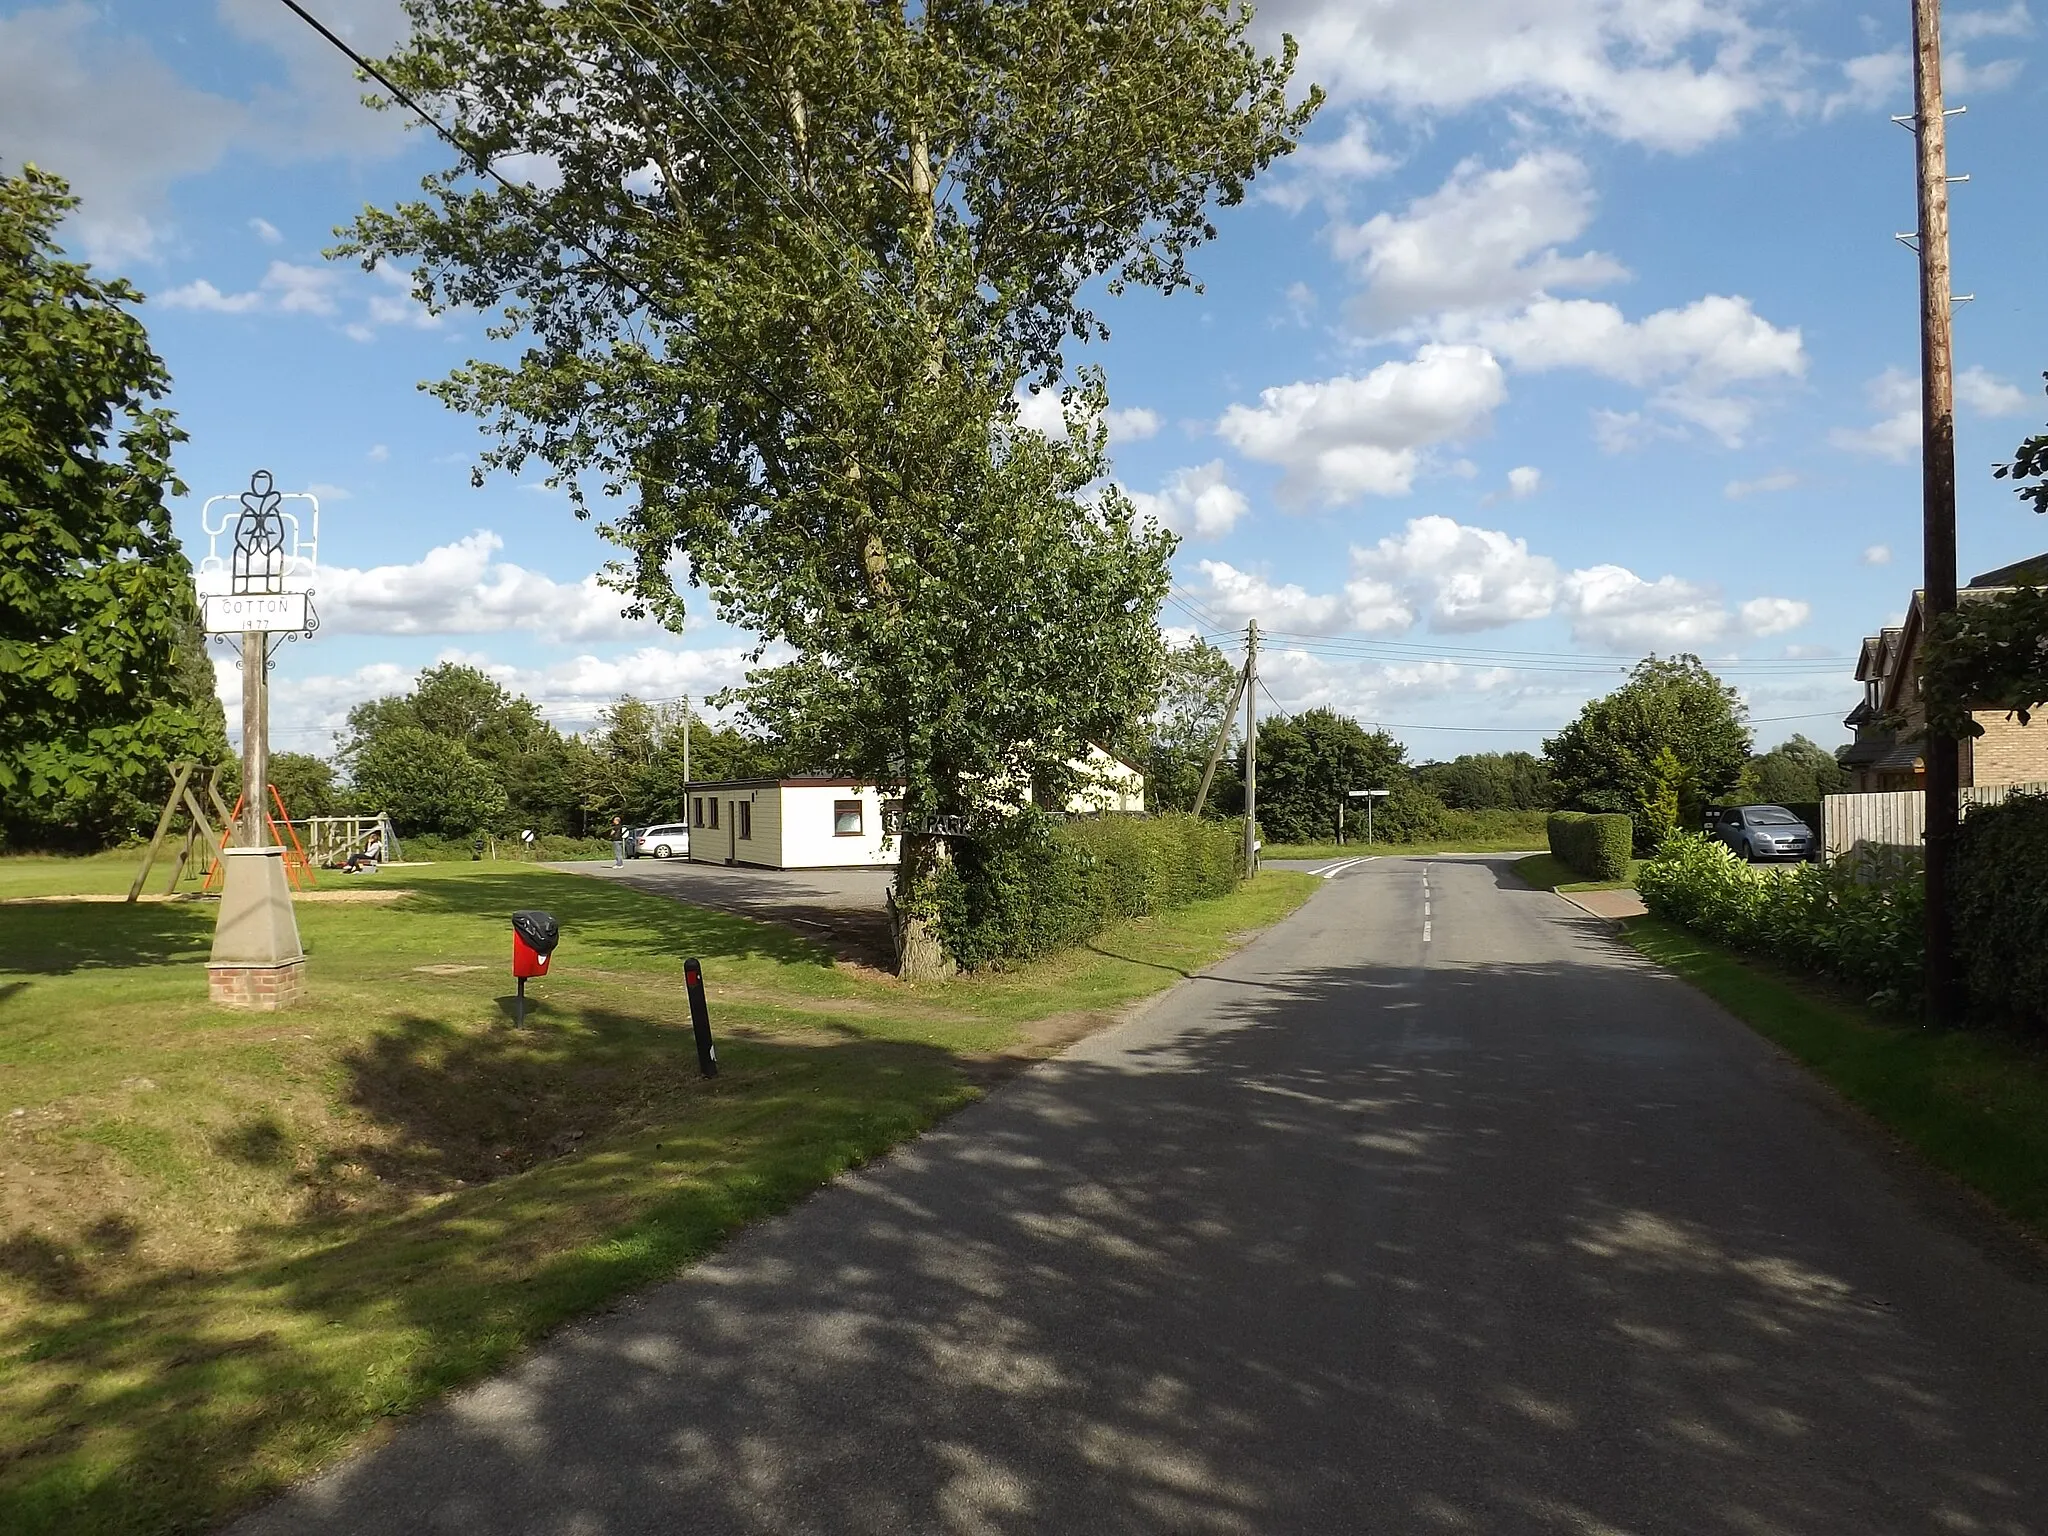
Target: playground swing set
195, 790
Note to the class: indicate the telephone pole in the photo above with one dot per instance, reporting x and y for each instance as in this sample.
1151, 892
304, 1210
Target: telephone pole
1251, 747
255, 829
1938, 491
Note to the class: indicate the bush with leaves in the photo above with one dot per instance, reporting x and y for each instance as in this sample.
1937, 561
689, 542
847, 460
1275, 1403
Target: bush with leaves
1035, 885
427, 783
1860, 919
2001, 908
1597, 846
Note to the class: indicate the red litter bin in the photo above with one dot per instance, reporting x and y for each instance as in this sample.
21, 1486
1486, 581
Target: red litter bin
534, 937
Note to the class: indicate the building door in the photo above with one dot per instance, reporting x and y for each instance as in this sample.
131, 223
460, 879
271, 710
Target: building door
732, 832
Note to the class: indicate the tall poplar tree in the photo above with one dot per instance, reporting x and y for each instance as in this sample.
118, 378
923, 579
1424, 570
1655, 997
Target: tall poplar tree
777, 270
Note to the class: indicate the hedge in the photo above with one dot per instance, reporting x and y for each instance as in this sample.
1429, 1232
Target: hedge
1596, 845
2001, 909
1035, 885
1862, 920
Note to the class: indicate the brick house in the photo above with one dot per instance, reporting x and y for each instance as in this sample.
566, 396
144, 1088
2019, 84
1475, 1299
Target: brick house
1888, 667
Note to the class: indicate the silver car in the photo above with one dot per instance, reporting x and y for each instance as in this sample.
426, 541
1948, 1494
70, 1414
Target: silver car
1755, 832
670, 840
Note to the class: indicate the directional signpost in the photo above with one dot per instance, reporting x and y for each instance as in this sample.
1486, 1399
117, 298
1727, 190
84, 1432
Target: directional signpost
1368, 796
262, 589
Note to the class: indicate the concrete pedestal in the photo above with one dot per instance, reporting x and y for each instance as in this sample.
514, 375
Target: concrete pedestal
257, 962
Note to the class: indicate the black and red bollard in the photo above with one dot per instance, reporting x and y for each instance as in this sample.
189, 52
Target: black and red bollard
700, 1019
534, 937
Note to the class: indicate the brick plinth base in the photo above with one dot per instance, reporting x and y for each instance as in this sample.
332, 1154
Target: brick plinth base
257, 988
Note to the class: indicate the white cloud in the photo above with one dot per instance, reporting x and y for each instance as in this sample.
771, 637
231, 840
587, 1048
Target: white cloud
1895, 396
1673, 74
327, 493
463, 589
1978, 391
1871, 81
1325, 169
378, 453
286, 289
1968, 26
1878, 554
267, 232
1301, 302
1045, 411
1485, 239
1346, 437
1959, 75
1463, 579
1776, 480
1689, 356
1240, 594
1524, 480
1612, 606
1466, 578
102, 111
1199, 501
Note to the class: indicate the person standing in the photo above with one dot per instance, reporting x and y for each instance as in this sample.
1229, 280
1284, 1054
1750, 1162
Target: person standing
618, 844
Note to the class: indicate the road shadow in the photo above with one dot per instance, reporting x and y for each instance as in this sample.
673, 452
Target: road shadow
1502, 1248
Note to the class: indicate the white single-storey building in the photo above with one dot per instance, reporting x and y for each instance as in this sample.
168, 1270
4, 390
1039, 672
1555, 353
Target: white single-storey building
821, 823
796, 823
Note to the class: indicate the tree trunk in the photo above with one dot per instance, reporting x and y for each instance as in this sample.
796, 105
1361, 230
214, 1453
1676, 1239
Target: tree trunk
914, 908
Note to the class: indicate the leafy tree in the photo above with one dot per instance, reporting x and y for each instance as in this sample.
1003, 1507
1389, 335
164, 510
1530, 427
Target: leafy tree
1196, 685
1991, 653
1490, 781
1307, 763
1606, 760
835, 237
427, 783
305, 783
98, 637
1793, 773
533, 766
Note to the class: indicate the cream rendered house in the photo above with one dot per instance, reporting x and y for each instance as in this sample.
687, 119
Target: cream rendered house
824, 823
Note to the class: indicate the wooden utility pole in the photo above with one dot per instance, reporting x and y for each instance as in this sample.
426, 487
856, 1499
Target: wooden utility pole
1222, 736
1938, 491
1251, 748
255, 738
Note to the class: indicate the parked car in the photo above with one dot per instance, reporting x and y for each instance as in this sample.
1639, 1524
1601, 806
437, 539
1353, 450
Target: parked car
670, 840
1756, 832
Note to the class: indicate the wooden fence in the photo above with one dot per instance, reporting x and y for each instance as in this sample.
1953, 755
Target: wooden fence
1897, 819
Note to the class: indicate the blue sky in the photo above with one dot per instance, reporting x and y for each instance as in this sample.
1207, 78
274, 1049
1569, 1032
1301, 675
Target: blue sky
1577, 330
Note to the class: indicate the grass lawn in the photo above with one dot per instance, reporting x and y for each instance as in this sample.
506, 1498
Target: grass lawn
1972, 1103
230, 1244
1548, 874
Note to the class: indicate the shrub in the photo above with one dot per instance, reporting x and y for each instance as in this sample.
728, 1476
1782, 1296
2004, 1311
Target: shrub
2001, 908
1861, 920
1035, 885
1596, 844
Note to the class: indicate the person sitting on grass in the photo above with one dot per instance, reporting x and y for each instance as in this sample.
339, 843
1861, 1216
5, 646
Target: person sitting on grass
366, 857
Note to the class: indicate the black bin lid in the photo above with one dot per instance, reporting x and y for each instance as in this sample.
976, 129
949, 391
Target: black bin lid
540, 930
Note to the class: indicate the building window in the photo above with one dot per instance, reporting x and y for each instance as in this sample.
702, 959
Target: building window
711, 808
892, 817
746, 814
846, 818
697, 811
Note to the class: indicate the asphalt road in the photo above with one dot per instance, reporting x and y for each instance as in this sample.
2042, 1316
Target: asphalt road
1434, 1210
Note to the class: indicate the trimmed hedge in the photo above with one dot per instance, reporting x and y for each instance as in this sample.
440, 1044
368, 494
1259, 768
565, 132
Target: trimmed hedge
1597, 845
1035, 886
2001, 908
1862, 920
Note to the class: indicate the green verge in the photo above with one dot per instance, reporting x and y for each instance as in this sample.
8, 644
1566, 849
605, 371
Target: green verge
231, 1244
1546, 872
1974, 1104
